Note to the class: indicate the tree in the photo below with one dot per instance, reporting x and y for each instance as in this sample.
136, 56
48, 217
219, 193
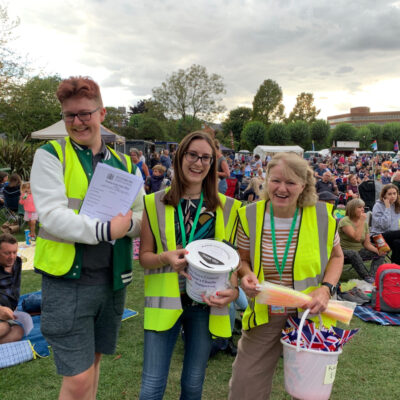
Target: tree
149, 107
300, 134
236, 121
345, 132
30, 106
376, 131
10, 66
191, 92
365, 137
115, 118
304, 109
147, 128
391, 131
254, 133
319, 131
185, 126
267, 103
278, 134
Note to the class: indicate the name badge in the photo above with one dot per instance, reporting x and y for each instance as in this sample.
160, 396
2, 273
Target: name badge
277, 310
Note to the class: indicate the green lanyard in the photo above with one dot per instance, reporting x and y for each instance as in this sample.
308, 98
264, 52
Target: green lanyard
196, 219
278, 267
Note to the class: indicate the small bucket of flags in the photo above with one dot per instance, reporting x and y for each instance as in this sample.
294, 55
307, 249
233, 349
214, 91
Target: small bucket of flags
310, 357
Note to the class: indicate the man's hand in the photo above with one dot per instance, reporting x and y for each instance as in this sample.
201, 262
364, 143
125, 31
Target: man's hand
6, 313
120, 225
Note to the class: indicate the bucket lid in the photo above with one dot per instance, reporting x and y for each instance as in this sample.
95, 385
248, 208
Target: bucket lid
212, 256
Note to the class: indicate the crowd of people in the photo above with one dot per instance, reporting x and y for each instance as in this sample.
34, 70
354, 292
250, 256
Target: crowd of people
280, 208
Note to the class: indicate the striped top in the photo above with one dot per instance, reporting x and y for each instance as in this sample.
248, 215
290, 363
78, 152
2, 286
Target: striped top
282, 229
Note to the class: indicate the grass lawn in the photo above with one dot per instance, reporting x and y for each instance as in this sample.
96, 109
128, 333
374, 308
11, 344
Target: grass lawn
368, 368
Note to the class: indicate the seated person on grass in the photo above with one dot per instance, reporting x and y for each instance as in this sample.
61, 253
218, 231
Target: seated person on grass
10, 281
354, 238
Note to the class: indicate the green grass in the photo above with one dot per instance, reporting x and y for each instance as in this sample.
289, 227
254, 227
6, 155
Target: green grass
368, 368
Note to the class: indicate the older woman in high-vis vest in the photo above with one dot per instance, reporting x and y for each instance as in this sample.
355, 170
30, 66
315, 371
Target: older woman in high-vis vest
287, 238
189, 210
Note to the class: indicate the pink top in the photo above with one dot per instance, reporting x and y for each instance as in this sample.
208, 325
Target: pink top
27, 202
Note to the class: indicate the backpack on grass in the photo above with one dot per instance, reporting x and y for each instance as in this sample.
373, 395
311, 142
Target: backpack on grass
387, 294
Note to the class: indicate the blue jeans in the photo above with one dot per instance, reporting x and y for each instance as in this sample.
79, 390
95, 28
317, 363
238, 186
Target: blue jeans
158, 348
222, 186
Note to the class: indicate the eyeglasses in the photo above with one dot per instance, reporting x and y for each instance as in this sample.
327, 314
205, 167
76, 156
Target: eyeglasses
82, 116
193, 157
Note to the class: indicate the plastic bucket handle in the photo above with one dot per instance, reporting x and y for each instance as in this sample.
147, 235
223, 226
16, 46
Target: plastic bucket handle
300, 331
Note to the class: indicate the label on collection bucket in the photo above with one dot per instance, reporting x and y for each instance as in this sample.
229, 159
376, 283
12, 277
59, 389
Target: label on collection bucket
330, 373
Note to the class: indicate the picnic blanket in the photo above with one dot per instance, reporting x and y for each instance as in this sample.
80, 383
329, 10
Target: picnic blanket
34, 344
368, 314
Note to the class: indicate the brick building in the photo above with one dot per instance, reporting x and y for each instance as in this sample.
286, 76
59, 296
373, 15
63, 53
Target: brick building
360, 116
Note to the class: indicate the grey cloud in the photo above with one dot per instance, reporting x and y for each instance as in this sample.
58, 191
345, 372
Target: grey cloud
304, 46
344, 70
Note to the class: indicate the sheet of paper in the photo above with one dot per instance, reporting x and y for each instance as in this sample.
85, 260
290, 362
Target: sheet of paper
25, 319
111, 191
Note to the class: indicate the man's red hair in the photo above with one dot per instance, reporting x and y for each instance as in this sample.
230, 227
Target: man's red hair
79, 87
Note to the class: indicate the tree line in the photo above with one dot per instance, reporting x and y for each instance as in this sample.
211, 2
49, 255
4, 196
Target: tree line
182, 103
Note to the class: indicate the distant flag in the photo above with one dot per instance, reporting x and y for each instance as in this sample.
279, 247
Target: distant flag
374, 146
313, 147
396, 146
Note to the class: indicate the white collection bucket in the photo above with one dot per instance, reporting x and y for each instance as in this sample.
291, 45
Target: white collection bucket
210, 263
309, 374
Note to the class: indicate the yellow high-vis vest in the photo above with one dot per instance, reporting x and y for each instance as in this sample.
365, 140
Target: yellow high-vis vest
161, 286
314, 246
57, 257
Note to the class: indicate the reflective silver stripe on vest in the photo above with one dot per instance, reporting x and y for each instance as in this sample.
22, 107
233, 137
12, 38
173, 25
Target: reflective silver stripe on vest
323, 226
168, 303
161, 270
74, 204
227, 210
62, 143
251, 215
219, 311
123, 160
160, 207
48, 236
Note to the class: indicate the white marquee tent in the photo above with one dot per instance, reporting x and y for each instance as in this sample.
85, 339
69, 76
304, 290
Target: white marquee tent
57, 131
263, 151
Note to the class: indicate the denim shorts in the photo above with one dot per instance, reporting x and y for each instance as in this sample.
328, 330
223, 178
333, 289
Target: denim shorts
78, 321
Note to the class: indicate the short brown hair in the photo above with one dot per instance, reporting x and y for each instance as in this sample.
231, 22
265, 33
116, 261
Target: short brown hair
351, 207
79, 87
160, 168
7, 238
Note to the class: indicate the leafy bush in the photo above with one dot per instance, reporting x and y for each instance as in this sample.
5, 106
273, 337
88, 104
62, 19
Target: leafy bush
18, 156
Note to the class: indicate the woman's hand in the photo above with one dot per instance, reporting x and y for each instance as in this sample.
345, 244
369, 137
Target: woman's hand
387, 202
221, 298
319, 301
176, 259
249, 283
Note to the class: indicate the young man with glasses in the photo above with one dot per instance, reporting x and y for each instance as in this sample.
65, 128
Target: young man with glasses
86, 264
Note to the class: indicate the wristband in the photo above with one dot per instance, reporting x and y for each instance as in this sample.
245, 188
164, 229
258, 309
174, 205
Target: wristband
159, 258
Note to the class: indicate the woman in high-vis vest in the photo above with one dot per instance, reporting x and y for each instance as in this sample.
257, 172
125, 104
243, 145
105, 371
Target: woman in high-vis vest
287, 238
190, 209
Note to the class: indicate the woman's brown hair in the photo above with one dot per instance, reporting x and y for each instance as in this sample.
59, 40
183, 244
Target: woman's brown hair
179, 182
385, 189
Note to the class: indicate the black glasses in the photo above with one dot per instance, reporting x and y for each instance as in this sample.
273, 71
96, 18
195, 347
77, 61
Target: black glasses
82, 116
193, 157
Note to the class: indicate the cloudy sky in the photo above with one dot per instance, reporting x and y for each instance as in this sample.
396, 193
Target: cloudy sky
345, 52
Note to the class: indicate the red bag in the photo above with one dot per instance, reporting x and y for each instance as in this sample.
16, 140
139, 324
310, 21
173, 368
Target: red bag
387, 282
